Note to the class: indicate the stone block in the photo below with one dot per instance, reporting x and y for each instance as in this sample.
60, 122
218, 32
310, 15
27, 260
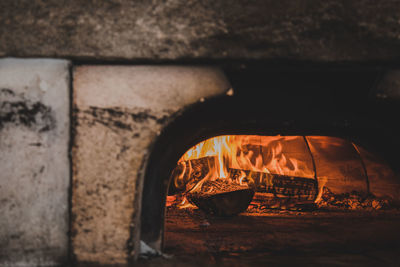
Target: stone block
34, 164
118, 113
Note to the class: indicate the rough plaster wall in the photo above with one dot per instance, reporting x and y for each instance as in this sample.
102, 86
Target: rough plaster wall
118, 113
34, 165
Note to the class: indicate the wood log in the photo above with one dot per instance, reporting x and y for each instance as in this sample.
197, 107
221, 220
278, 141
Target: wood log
280, 186
188, 173
274, 191
226, 197
265, 201
222, 198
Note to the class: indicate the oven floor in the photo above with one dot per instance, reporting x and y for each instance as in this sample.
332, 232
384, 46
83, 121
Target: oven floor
281, 238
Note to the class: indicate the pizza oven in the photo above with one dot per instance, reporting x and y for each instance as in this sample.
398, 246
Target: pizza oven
287, 166
195, 133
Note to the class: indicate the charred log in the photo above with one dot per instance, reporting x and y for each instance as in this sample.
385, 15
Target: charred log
221, 198
273, 190
188, 173
279, 186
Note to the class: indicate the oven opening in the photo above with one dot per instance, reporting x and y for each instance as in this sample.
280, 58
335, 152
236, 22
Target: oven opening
252, 199
294, 168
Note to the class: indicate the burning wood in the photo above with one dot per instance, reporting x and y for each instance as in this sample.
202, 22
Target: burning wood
222, 198
279, 185
232, 194
222, 174
190, 172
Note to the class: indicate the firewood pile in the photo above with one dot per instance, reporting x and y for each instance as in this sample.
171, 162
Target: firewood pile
229, 196
259, 192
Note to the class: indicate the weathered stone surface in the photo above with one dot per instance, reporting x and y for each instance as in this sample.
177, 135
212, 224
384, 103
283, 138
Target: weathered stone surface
34, 165
330, 30
118, 112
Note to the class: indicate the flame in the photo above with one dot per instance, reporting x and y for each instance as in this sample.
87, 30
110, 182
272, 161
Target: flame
275, 166
246, 153
321, 184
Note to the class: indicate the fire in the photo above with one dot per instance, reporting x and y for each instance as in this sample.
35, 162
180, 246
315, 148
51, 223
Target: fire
246, 154
280, 171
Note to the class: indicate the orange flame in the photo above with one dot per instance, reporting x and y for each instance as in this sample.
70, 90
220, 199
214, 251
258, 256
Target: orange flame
282, 166
267, 154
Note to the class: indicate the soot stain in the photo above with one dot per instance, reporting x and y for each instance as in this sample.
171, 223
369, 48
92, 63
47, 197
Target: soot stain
142, 116
41, 169
19, 111
35, 144
115, 118
122, 125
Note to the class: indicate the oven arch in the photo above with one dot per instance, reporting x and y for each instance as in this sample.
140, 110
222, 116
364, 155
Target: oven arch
221, 115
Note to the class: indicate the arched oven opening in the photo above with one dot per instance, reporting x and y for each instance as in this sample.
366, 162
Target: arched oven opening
234, 170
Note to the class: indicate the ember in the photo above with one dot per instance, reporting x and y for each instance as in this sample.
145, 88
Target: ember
353, 201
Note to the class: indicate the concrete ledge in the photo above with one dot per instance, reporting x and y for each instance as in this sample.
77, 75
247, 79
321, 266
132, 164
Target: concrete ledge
319, 31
